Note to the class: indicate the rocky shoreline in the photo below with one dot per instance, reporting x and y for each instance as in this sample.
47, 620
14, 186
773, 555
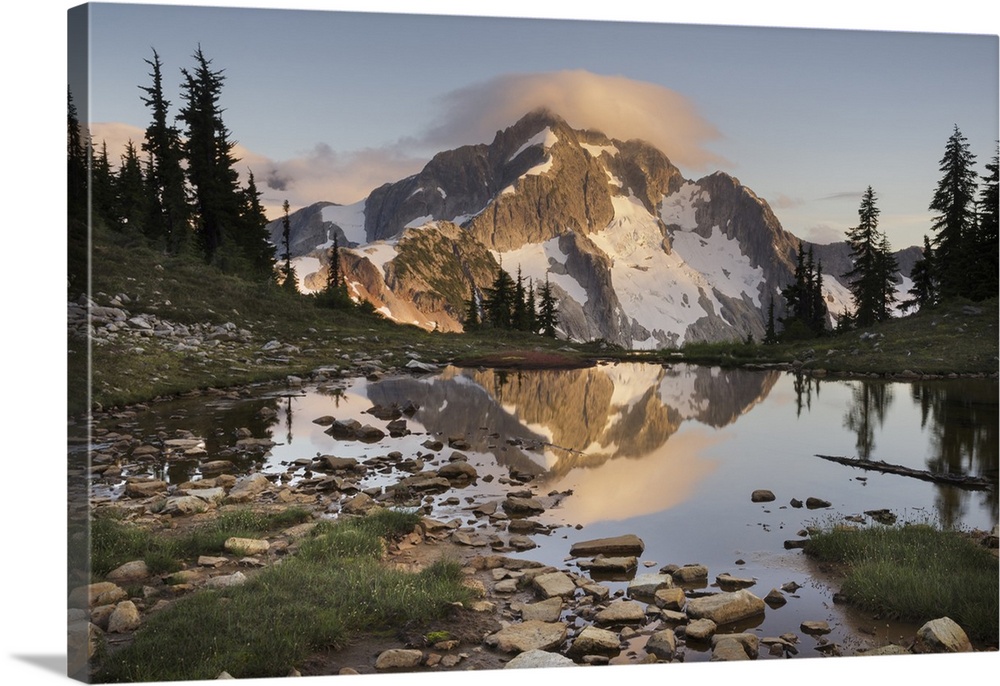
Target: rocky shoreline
528, 613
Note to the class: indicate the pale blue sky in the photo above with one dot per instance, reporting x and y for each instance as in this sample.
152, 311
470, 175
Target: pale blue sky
338, 103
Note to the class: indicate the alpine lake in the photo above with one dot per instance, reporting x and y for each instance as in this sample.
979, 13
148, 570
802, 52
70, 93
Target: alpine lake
671, 454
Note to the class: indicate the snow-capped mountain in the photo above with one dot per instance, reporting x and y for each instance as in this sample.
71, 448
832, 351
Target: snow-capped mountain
637, 254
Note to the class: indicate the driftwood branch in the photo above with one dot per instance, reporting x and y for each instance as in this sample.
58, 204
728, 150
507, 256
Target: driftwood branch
960, 480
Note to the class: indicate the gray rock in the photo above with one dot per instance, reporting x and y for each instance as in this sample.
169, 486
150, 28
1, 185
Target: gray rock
761, 496
554, 584
595, 641
362, 503
669, 598
248, 488
815, 627
525, 636
125, 618
890, 649
130, 571
723, 608
816, 503
522, 506
645, 586
459, 470
700, 630
728, 582
942, 635
545, 611
629, 544
749, 642
246, 546
398, 658
621, 612
662, 644
728, 650
691, 574
612, 565
533, 659
226, 580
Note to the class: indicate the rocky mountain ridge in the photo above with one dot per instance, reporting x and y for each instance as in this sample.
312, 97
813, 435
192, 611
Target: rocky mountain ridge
636, 254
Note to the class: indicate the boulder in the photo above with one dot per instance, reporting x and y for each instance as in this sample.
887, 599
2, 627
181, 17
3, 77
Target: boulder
723, 608
749, 642
690, 574
248, 488
645, 586
459, 470
398, 658
728, 650
246, 546
728, 582
92, 595
700, 630
594, 641
145, 488
533, 659
125, 618
629, 544
662, 644
554, 584
942, 635
532, 635
130, 571
669, 598
761, 496
545, 611
610, 565
621, 612
369, 434
815, 627
522, 506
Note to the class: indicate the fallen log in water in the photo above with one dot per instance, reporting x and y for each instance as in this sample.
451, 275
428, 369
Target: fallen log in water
960, 480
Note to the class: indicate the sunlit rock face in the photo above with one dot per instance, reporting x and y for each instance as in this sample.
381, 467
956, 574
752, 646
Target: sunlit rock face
636, 254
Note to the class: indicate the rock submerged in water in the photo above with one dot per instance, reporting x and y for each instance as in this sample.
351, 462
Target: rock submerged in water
629, 544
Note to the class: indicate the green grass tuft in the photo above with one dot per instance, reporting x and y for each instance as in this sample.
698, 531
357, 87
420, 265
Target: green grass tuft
915, 572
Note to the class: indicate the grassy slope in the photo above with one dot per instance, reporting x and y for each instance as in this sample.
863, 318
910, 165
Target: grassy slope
946, 340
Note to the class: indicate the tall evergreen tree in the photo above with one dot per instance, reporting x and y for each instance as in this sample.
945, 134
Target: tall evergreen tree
210, 164
335, 292
871, 280
924, 288
531, 307
253, 229
806, 312
78, 163
770, 335
954, 203
289, 277
170, 215
548, 311
519, 311
986, 267
131, 192
499, 303
472, 320
102, 182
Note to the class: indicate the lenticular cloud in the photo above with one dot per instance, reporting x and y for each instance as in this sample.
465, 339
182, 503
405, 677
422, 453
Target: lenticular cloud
619, 107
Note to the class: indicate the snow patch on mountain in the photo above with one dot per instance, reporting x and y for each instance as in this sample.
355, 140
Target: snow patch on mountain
598, 150
677, 209
350, 218
538, 259
721, 261
659, 291
379, 253
545, 138
305, 267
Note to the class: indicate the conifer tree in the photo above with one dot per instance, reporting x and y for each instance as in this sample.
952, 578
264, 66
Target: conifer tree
170, 215
954, 203
102, 181
806, 312
499, 304
77, 158
985, 268
871, 279
472, 320
924, 277
335, 292
548, 311
132, 196
289, 277
770, 335
531, 307
210, 164
253, 227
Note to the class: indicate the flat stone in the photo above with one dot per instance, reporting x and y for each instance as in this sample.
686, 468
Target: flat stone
729, 650
700, 629
533, 659
595, 641
723, 608
728, 582
554, 584
690, 574
545, 611
612, 565
398, 658
248, 488
749, 642
669, 598
629, 544
130, 571
525, 636
246, 546
815, 627
621, 612
522, 506
645, 586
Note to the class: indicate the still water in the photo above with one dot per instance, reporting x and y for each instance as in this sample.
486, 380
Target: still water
671, 454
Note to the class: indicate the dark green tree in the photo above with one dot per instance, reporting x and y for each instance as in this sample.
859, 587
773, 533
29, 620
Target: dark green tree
78, 163
170, 215
520, 319
335, 292
132, 195
770, 335
210, 168
472, 320
985, 268
548, 310
499, 301
253, 229
872, 278
288, 276
806, 312
954, 223
924, 289
531, 307
102, 182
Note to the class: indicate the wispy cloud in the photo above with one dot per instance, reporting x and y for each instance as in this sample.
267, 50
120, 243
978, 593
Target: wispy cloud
823, 234
620, 107
844, 195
